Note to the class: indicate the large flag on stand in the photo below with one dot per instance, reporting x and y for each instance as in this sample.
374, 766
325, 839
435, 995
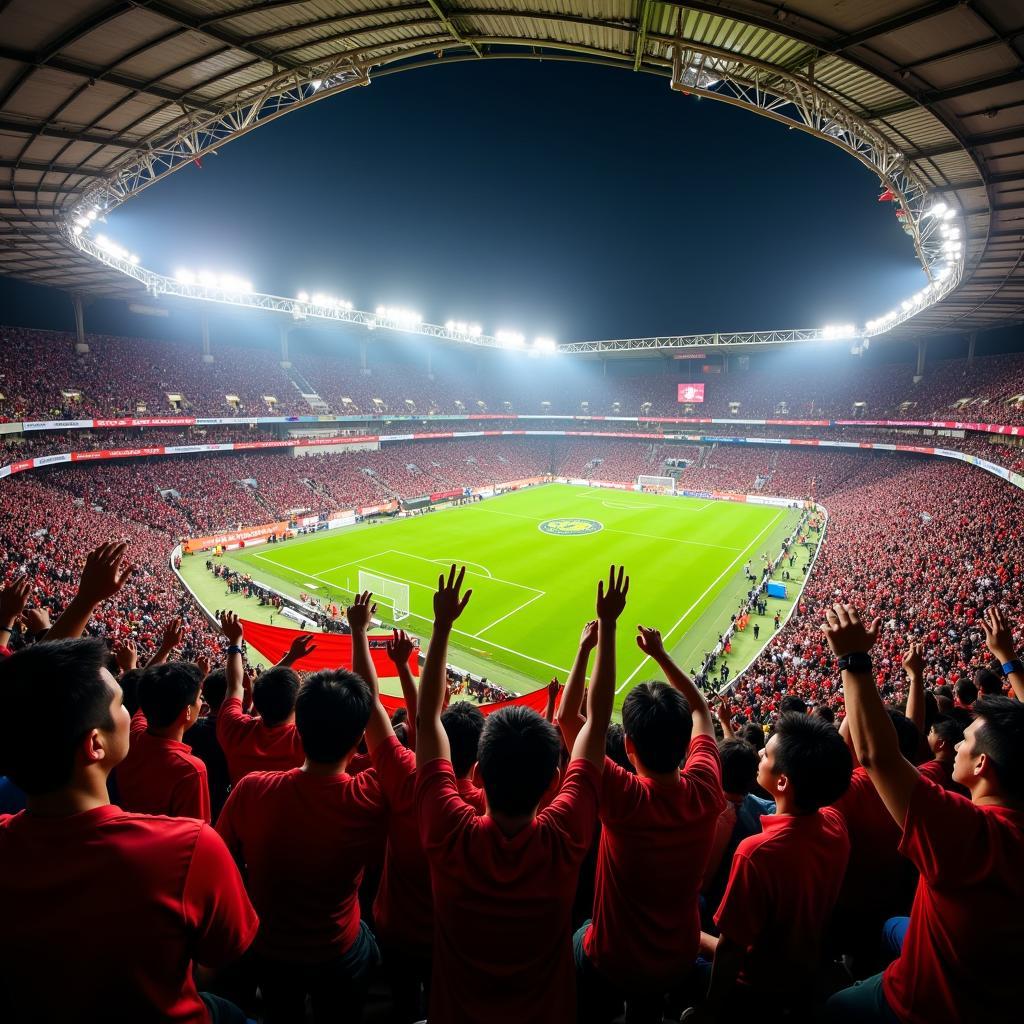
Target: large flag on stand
334, 650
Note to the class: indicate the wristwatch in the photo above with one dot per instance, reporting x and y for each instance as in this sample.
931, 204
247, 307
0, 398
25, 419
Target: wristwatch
1016, 665
856, 662
234, 649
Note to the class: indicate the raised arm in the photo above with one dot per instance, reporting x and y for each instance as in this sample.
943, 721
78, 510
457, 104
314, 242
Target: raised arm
913, 665
106, 572
378, 728
431, 739
400, 648
234, 666
301, 647
999, 638
724, 712
649, 641
871, 730
12, 603
590, 743
549, 708
569, 717
173, 634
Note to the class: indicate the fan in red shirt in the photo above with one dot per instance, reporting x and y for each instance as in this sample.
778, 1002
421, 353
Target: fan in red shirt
968, 852
303, 837
160, 775
105, 911
944, 736
656, 836
785, 880
504, 882
271, 742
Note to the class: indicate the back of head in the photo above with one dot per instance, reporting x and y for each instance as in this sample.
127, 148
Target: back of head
166, 690
215, 686
1000, 736
814, 758
274, 693
824, 712
792, 703
331, 713
907, 735
987, 683
53, 696
966, 692
464, 723
753, 734
657, 721
948, 729
130, 688
615, 747
517, 759
739, 766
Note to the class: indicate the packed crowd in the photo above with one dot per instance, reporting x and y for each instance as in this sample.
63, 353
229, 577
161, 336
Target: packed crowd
246, 845
43, 379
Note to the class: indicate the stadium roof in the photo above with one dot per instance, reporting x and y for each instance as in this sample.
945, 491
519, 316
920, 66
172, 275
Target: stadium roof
95, 91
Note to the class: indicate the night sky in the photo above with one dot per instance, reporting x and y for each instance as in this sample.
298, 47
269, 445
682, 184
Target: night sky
566, 200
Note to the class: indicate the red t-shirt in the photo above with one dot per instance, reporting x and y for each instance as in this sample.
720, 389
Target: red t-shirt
878, 879
304, 840
161, 776
941, 773
105, 912
252, 746
967, 905
502, 937
655, 843
781, 891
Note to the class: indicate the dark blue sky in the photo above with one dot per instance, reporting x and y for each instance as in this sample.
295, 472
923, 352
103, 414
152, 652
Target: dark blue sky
574, 201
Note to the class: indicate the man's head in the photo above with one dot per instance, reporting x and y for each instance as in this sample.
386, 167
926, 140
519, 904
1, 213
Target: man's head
907, 736
657, 722
990, 758
792, 703
824, 712
463, 722
943, 736
753, 734
215, 686
331, 712
517, 759
274, 693
169, 694
739, 766
806, 763
966, 692
615, 747
988, 683
63, 715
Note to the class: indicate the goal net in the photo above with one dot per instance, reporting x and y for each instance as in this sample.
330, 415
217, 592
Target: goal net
656, 484
387, 590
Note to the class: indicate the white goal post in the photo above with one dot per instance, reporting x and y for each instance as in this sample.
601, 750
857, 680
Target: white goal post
660, 484
388, 590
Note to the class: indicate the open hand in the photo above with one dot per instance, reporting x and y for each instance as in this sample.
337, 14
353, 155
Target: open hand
448, 604
13, 599
37, 620
588, 638
913, 660
649, 641
360, 612
998, 635
846, 634
174, 633
611, 602
106, 572
232, 629
126, 654
302, 646
400, 647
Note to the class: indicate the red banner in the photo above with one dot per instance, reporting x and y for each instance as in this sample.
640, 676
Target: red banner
333, 650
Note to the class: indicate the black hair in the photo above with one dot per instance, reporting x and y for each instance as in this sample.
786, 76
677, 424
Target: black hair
966, 691
517, 758
988, 683
945, 690
401, 715
615, 747
1001, 737
948, 729
130, 688
739, 766
166, 690
907, 736
463, 722
215, 687
274, 693
753, 734
790, 703
53, 696
331, 713
657, 720
814, 758
825, 713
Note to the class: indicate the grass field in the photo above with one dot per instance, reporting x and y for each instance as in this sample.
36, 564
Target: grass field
533, 590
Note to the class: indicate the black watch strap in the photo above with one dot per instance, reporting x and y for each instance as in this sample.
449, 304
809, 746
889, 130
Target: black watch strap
856, 662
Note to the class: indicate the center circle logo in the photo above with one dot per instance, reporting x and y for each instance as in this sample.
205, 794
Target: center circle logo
570, 527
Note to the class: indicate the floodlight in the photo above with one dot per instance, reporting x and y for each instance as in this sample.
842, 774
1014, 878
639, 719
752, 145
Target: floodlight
303, 296
183, 276
832, 331
510, 339
949, 215
77, 229
545, 345
91, 215
316, 83
937, 210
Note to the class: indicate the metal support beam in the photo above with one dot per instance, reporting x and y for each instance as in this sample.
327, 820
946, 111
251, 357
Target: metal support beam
881, 28
450, 27
972, 340
285, 359
81, 345
922, 354
643, 17
204, 327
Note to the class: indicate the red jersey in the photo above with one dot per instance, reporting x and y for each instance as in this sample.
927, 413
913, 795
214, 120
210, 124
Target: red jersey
161, 776
941, 773
971, 884
877, 877
655, 844
780, 895
252, 746
304, 840
502, 936
162, 892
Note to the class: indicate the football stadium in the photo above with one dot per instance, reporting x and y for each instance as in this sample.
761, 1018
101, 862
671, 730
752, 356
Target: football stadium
538, 538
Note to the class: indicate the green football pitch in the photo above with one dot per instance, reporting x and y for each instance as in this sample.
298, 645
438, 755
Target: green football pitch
533, 560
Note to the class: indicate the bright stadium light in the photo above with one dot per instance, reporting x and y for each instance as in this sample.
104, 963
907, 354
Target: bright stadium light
832, 332
546, 346
115, 250
91, 215
77, 229
510, 339
183, 276
316, 83
398, 315
937, 210
303, 296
